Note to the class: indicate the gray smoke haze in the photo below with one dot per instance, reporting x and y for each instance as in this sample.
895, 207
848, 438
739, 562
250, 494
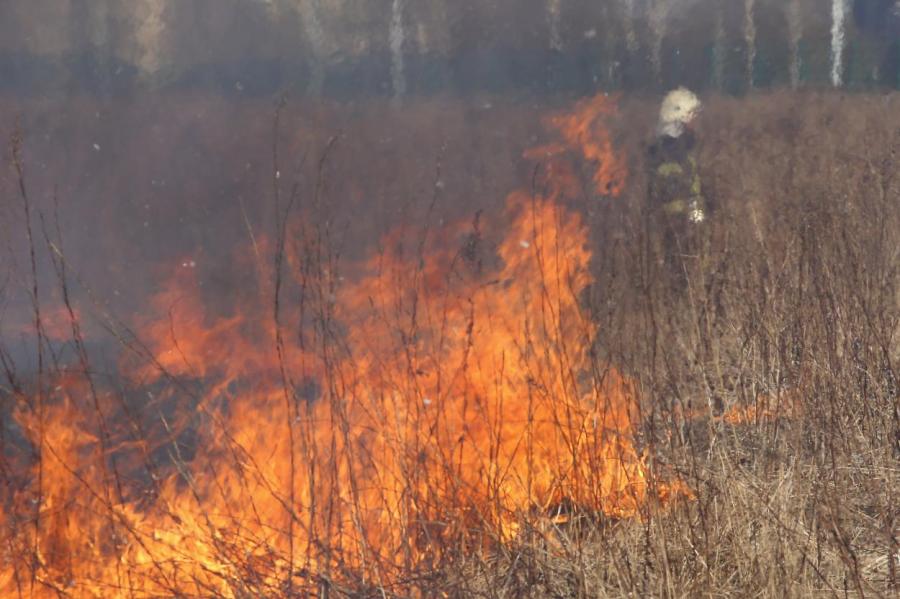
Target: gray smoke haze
150, 122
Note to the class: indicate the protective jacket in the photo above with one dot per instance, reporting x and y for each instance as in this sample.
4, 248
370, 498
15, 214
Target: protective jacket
675, 186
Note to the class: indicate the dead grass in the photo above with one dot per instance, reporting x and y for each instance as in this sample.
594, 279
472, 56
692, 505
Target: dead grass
790, 315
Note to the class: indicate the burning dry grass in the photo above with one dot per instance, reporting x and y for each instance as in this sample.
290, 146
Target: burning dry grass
492, 410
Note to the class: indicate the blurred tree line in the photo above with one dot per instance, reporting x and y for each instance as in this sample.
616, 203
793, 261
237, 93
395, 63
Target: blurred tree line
347, 47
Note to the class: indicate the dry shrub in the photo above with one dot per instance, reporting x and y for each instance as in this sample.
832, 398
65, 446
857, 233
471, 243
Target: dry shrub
772, 377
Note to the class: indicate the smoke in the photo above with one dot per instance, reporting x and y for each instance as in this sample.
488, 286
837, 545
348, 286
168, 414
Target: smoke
98, 25
838, 14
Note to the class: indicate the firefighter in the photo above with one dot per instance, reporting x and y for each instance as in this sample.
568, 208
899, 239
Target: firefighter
675, 192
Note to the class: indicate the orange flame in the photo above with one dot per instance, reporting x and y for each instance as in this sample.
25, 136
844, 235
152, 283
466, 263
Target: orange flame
423, 407
768, 408
584, 130
56, 322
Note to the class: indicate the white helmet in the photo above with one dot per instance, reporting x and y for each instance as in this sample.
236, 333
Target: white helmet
678, 109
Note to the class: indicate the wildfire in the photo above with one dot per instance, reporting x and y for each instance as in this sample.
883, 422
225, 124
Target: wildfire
585, 131
768, 408
427, 404
56, 323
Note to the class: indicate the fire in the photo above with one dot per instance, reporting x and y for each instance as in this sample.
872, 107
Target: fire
767, 408
584, 130
429, 401
56, 323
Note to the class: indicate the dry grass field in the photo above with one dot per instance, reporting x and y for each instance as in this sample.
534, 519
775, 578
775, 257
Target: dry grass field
507, 396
